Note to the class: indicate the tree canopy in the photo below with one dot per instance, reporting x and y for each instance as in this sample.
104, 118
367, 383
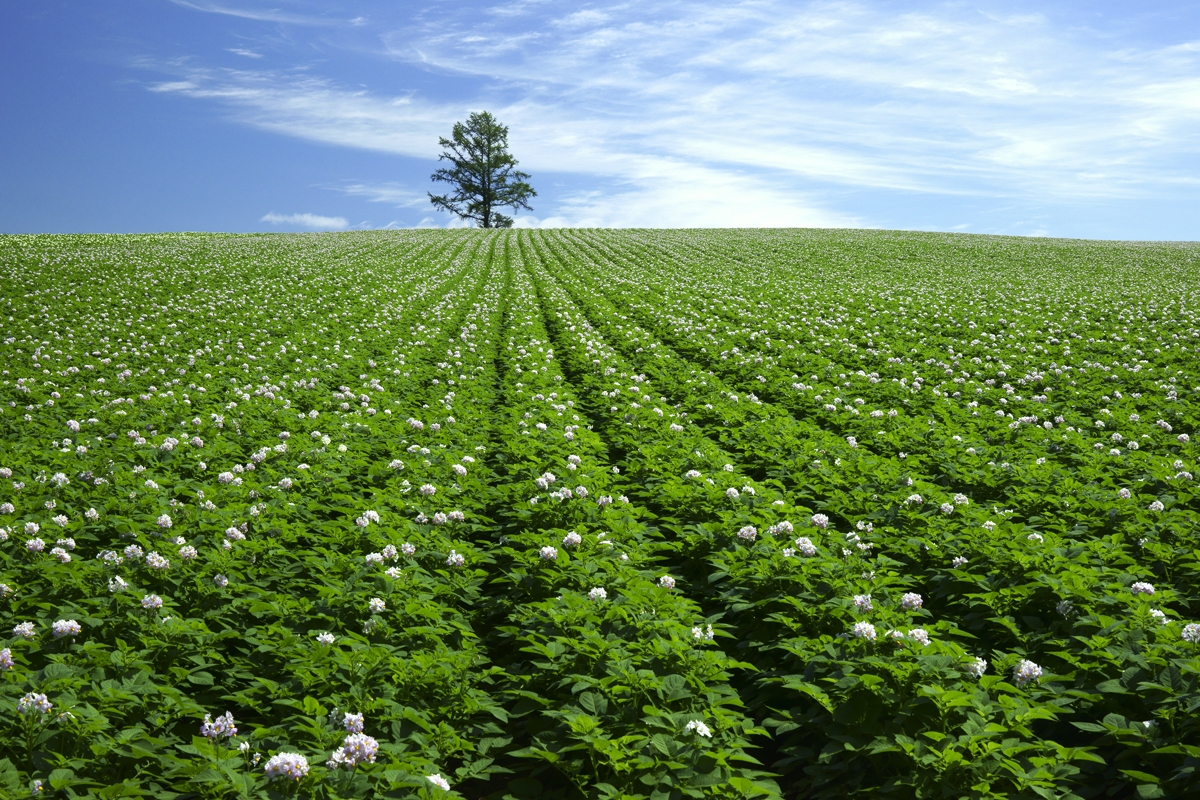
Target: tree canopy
483, 173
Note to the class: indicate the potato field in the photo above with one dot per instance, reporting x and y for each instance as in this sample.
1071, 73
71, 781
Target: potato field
599, 514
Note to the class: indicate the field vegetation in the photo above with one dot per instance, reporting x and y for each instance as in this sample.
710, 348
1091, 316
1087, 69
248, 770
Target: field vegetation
598, 514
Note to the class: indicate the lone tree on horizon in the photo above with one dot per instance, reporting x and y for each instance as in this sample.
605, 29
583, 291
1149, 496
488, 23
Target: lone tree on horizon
484, 174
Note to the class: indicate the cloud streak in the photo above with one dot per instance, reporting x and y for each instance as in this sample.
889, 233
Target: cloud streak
313, 221
262, 15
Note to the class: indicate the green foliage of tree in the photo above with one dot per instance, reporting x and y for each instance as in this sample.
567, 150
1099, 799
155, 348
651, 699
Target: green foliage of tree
483, 173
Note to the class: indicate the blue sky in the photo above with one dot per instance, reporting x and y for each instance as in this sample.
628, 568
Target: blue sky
1063, 119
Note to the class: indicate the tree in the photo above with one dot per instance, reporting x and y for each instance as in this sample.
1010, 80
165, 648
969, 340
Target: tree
483, 174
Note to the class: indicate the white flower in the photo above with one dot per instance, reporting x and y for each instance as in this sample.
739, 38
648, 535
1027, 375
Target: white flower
377, 605
572, 539
1159, 616
117, 584
1190, 633
911, 601
977, 667
326, 638
864, 630
919, 635
820, 520
597, 593
666, 582
1025, 672
65, 627
703, 635
1156, 506
292, 766
1142, 588
699, 728
353, 723
806, 547
437, 780
455, 559
34, 701
548, 553
958, 562
862, 602
164, 521
151, 601
357, 748
222, 727
156, 562
748, 533
1065, 608
23, 630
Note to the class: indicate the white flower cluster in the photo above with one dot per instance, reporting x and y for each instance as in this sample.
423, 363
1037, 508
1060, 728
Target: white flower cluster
864, 630
222, 727
806, 547
64, 628
357, 748
291, 766
34, 701
1026, 672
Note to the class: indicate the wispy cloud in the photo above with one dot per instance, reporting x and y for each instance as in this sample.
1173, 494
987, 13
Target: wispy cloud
313, 221
394, 194
263, 14
243, 52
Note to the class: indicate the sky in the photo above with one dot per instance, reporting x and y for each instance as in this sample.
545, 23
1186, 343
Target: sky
1065, 119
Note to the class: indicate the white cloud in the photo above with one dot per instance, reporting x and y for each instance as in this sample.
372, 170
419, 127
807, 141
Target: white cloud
173, 86
313, 221
391, 193
263, 14
243, 52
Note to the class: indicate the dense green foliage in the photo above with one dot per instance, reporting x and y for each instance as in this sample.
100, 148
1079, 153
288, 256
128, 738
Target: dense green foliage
642, 514
482, 172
